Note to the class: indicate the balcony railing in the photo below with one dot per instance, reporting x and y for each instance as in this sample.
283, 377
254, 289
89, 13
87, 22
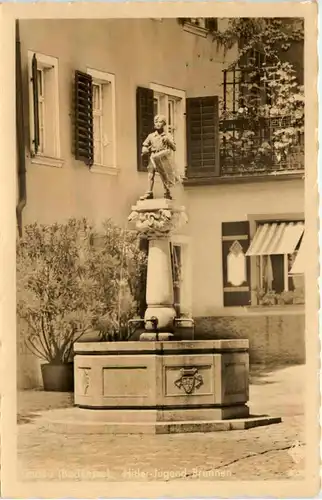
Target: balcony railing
249, 147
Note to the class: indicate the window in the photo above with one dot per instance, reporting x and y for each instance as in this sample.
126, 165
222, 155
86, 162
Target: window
98, 122
194, 123
104, 121
200, 25
275, 247
275, 272
180, 258
44, 109
207, 23
167, 105
267, 270
171, 103
244, 85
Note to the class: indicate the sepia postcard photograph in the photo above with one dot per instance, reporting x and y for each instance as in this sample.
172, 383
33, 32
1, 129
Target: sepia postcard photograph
159, 250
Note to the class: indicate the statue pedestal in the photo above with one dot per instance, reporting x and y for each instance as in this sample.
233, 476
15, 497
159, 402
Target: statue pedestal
156, 219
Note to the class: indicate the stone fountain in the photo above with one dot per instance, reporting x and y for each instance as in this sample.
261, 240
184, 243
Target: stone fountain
159, 384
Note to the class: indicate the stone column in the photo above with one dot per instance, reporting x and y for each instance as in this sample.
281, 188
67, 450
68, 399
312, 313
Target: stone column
159, 288
156, 220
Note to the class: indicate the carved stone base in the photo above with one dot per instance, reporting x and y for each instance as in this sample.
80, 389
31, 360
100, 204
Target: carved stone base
159, 388
173, 376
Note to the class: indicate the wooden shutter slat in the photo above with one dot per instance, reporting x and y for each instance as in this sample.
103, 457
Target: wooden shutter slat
202, 136
236, 231
144, 122
84, 140
34, 71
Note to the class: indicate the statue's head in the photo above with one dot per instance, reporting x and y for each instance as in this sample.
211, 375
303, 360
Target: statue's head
160, 122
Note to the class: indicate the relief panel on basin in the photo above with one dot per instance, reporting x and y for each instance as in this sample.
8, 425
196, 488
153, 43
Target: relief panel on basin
83, 381
235, 373
193, 381
125, 382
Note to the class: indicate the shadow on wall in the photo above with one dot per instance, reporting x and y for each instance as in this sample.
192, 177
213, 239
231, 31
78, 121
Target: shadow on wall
272, 339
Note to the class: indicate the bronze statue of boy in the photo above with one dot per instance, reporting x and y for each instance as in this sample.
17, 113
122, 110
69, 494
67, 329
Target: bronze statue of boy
159, 145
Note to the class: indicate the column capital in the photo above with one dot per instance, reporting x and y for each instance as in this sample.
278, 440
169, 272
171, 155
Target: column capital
157, 218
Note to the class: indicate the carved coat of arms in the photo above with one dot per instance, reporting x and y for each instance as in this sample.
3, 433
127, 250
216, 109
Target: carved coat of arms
189, 380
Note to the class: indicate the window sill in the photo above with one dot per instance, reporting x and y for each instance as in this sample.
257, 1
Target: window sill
104, 169
195, 30
47, 161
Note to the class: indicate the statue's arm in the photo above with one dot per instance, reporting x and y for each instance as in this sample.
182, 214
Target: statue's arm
170, 142
146, 146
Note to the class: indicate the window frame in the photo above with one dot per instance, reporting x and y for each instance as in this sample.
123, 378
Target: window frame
104, 78
179, 97
42, 106
49, 63
98, 113
184, 242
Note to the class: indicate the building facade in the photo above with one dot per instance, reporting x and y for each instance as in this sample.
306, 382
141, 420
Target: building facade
74, 71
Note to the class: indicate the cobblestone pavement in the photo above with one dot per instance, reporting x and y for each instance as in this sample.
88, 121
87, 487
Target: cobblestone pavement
259, 453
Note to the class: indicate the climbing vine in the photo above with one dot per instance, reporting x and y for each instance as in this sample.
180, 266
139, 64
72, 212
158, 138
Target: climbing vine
272, 35
268, 90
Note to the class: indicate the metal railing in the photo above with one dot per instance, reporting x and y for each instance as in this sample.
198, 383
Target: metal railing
247, 147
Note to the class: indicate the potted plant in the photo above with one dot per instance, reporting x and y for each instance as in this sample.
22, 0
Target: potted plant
266, 298
53, 288
286, 298
68, 286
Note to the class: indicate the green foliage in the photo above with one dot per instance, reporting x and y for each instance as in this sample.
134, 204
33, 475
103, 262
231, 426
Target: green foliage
271, 35
271, 298
269, 91
71, 280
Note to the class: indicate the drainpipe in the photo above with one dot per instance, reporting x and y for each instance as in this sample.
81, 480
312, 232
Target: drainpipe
21, 167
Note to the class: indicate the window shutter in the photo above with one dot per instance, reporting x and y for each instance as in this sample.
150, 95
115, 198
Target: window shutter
84, 149
144, 122
34, 78
202, 117
212, 24
237, 234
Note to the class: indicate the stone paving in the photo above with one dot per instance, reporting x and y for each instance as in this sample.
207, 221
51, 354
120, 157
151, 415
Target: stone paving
259, 453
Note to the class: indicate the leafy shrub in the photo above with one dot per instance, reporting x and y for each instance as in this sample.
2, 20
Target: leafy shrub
71, 280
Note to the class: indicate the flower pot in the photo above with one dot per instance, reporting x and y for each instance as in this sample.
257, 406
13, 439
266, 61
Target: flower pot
58, 378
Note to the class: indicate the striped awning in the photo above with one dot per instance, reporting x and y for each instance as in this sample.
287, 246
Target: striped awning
299, 263
276, 238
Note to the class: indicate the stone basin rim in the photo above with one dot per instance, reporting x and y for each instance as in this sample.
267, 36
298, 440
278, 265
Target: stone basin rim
161, 347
